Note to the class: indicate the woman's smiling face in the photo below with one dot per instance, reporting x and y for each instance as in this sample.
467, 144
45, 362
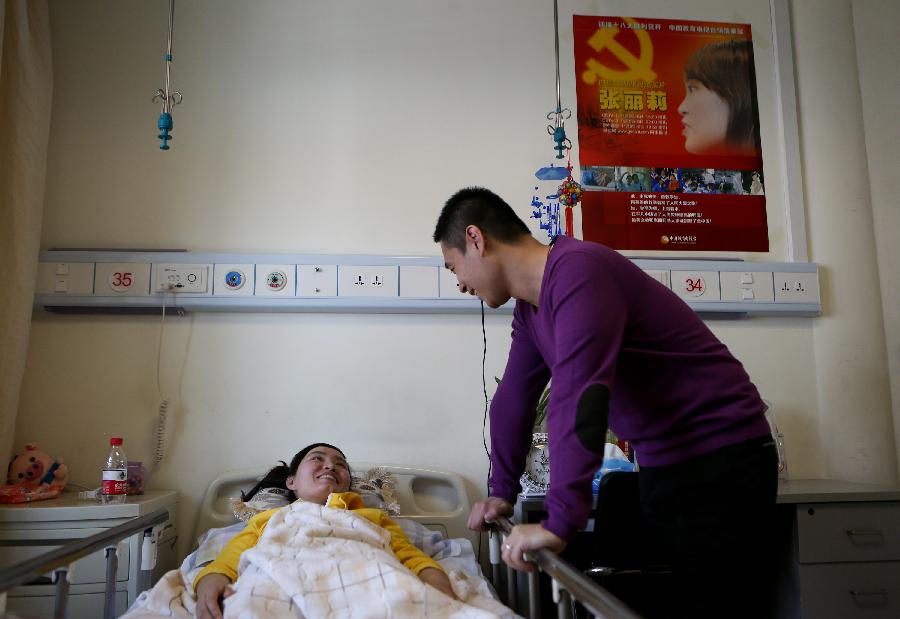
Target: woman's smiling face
705, 117
322, 471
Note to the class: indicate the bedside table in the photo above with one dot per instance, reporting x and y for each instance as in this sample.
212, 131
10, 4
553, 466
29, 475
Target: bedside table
61, 520
841, 543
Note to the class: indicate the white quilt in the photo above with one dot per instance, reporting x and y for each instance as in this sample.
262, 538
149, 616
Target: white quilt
316, 562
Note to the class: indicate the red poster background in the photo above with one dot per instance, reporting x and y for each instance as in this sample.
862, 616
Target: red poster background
648, 56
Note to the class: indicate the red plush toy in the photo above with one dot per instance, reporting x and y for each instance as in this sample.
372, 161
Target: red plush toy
34, 476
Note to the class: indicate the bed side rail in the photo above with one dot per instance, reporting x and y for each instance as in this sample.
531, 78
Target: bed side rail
568, 583
59, 560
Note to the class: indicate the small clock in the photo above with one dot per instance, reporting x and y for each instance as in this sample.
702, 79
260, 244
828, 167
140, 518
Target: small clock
536, 478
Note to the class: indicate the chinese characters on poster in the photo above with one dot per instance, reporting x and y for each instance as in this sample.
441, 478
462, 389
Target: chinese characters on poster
668, 131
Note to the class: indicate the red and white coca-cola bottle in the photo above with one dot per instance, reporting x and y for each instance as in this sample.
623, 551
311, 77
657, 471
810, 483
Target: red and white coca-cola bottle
115, 474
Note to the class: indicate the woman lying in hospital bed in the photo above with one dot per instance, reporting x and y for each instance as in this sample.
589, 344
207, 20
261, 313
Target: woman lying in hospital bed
324, 555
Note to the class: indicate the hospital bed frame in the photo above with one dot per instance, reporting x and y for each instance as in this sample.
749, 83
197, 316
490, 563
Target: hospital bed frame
436, 499
58, 562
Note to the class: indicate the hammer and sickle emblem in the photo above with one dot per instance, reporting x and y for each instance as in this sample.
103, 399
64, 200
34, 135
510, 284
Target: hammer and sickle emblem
638, 68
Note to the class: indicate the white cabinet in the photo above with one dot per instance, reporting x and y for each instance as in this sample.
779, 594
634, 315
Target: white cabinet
30, 529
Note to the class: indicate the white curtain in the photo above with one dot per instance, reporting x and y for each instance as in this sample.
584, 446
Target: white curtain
26, 81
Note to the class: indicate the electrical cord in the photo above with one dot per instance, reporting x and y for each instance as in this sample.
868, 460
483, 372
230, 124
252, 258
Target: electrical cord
484, 388
487, 452
163, 411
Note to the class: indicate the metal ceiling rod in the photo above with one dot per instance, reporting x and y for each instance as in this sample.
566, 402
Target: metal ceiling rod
169, 100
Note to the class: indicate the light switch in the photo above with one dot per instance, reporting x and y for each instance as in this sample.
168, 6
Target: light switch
62, 268
79, 278
735, 286
62, 285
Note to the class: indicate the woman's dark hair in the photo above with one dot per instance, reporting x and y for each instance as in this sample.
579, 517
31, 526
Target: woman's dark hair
726, 68
277, 476
479, 207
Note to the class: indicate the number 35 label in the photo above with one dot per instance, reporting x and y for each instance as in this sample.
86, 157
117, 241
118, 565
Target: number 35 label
120, 280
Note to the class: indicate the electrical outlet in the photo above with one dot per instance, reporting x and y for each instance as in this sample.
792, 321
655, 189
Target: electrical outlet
181, 278
796, 287
368, 281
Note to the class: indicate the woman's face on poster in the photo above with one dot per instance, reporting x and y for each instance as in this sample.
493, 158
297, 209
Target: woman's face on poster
704, 115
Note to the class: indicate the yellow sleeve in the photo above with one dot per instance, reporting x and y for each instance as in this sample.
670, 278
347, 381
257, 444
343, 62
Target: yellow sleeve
411, 557
227, 561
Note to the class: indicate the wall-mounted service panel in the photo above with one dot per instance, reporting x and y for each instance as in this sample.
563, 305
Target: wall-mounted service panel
419, 282
136, 281
449, 286
317, 280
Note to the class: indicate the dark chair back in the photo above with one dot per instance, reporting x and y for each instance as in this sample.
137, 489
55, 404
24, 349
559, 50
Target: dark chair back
624, 558
619, 539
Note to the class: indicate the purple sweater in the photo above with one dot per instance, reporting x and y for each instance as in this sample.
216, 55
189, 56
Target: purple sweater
675, 390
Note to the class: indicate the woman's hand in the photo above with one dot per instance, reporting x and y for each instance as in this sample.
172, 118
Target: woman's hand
437, 579
211, 589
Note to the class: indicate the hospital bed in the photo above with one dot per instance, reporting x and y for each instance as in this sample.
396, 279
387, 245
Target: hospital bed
433, 507
435, 499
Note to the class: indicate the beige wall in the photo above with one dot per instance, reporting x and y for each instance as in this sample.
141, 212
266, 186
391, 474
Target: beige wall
878, 49
341, 127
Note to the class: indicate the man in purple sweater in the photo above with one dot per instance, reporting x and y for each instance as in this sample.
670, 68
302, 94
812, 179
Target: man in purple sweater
623, 350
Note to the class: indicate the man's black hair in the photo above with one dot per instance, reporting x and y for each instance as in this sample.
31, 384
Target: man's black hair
277, 476
479, 207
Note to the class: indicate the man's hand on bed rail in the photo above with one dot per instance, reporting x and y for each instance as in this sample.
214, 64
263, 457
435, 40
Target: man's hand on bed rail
211, 591
526, 537
487, 510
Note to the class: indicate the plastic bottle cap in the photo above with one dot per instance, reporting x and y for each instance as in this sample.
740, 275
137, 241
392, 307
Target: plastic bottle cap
115, 441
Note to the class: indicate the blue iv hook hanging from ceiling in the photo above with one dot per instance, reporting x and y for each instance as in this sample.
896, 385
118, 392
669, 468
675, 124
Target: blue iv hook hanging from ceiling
560, 114
169, 100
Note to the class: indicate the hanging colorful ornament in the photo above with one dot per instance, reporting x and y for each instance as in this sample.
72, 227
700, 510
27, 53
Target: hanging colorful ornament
569, 194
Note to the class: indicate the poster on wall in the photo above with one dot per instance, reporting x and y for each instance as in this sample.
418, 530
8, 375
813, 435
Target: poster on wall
668, 134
